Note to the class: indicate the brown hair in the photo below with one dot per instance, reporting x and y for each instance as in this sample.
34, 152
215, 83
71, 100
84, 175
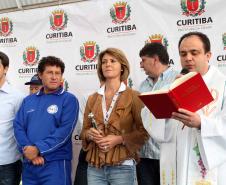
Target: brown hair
50, 61
120, 56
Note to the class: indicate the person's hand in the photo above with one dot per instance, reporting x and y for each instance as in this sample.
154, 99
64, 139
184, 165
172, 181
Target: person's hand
178, 76
94, 135
188, 118
30, 152
38, 161
108, 142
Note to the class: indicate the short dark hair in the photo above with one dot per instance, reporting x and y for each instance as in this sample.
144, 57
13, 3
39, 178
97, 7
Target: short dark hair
4, 59
120, 56
50, 61
203, 37
151, 49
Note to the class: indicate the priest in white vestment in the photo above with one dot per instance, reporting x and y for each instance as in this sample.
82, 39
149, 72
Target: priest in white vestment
193, 144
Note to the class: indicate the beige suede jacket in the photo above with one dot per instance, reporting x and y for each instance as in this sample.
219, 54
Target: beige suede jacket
125, 120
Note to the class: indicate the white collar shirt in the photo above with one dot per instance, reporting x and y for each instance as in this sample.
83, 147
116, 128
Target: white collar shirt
10, 101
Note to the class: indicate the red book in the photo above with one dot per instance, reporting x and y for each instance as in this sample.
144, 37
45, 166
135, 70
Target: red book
189, 92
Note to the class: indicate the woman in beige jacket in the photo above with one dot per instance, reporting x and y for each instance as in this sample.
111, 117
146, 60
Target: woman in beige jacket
112, 144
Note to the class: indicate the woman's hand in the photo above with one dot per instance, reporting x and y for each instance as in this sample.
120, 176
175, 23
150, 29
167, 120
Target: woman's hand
94, 135
108, 142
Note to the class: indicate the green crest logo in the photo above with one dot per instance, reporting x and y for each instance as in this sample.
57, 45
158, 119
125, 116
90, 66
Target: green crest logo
157, 38
31, 56
224, 40
6, 26
58, 20
120, 12
89, 51
193, 7
130, 82
64, 84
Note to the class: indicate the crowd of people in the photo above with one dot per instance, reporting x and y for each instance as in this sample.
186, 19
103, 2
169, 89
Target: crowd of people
122, 142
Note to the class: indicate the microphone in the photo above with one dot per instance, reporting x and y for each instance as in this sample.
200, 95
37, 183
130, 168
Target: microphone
184, 71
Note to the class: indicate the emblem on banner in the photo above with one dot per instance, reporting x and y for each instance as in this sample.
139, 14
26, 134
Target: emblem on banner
221, 58
64, 84
6, 26
224, 40
193, 7
157, 38
89, 51
58, 20
120, 12
129, 82
31, 56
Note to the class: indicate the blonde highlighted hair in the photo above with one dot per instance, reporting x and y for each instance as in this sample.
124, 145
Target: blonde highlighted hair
120, 56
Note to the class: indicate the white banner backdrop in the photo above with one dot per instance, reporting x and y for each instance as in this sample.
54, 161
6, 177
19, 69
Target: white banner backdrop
77, 33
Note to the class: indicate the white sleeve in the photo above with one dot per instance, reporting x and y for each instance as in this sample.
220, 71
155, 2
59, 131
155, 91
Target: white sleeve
19, 98
212, 138
79, 124
161, 130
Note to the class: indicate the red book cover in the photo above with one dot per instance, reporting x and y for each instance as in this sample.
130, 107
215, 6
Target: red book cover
189, 92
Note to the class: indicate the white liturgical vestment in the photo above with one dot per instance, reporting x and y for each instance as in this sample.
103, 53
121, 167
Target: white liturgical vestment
191, 156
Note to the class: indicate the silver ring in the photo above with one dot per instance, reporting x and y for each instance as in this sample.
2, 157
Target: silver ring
90, 137
190, 124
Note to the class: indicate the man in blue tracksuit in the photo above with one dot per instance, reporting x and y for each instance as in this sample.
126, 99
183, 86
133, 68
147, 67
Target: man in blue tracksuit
43, 128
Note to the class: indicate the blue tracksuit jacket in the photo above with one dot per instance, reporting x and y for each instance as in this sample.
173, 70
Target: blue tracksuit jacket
47, 121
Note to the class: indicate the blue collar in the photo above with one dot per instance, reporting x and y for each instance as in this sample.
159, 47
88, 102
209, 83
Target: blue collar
58, 91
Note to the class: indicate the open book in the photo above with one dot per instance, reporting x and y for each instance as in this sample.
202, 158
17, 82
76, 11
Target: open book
189, 92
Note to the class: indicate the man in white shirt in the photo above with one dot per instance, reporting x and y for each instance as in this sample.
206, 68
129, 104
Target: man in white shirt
195, 154
10, 100
155, 62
